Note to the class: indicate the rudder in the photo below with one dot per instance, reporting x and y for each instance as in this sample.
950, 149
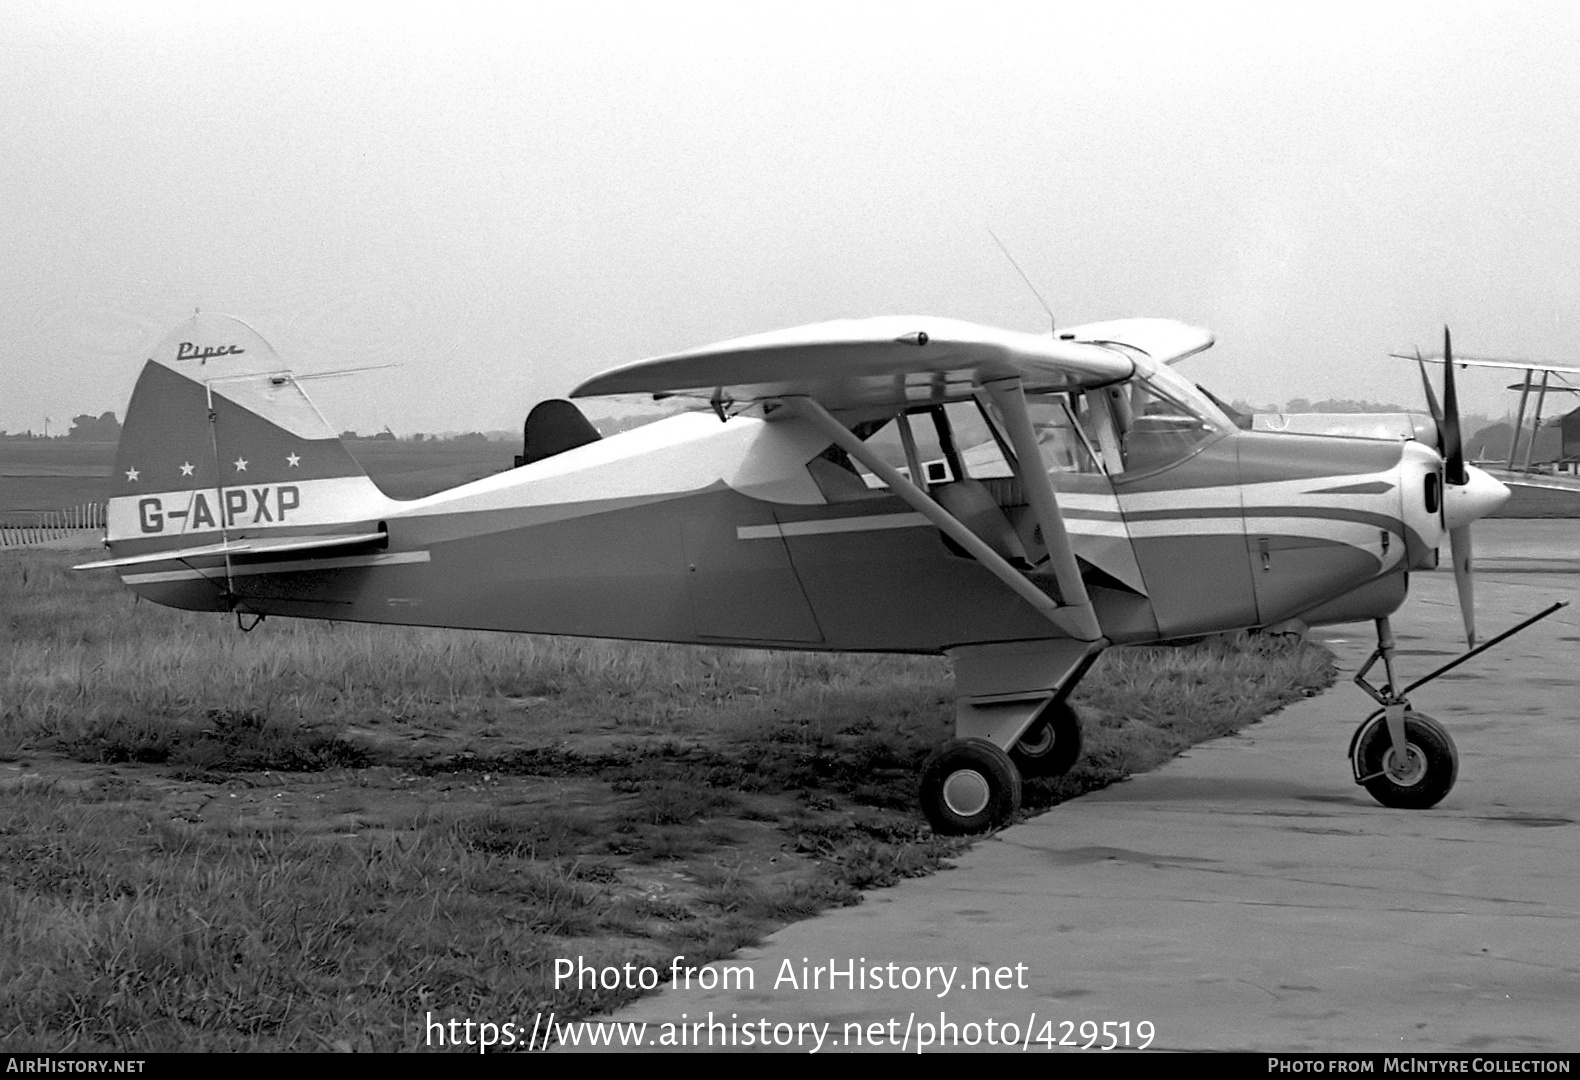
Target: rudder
220, 441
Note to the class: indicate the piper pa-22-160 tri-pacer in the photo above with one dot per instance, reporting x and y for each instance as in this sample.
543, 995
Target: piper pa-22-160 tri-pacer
1018, 502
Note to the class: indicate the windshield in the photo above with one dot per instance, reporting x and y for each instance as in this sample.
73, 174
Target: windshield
1159, 425
1188, 394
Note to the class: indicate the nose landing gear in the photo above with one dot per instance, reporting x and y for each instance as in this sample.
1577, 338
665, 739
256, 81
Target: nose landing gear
1404, 758
1414, 780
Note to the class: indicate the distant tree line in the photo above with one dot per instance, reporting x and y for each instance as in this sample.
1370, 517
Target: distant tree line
1326, 405
102, 428
423, 437
85, 428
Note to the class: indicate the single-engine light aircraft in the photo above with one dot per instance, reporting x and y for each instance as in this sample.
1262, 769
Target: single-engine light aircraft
1017, 502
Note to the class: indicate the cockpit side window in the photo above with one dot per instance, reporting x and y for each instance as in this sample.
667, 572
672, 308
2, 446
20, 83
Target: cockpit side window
1067, 432
904, 441
1137, 427
937, 444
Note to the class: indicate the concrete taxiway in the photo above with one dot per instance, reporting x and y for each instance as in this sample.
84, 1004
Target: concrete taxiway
1248, 896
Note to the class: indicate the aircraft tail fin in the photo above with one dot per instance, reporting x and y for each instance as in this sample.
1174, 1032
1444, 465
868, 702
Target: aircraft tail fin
220, 443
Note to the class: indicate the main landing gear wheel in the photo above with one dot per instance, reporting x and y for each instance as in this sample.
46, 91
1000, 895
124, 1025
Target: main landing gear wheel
969, 786
1051, 745
1415, 780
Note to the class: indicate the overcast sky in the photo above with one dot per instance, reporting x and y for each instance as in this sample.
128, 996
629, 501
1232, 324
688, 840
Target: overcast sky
506, 199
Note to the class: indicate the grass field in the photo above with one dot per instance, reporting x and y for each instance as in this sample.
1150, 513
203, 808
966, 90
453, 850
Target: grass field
316, 836
40, 476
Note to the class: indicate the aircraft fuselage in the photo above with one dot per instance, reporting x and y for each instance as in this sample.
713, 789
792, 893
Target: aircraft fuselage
692, 530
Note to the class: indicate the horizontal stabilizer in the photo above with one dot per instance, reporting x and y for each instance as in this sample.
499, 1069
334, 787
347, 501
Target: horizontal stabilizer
263, 545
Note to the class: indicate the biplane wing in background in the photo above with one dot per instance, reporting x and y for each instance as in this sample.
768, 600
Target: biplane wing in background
1017, 502
1560, 473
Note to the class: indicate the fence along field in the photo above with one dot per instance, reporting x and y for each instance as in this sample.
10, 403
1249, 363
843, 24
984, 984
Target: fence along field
51, 525
51, 489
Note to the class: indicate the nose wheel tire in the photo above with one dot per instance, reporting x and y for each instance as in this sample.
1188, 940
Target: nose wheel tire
969, 786
1414, 780
1051, 745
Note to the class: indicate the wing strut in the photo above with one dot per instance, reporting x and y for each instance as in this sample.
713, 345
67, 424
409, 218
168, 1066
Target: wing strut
1074, 617
1536, 424
1519, 420
1010, 398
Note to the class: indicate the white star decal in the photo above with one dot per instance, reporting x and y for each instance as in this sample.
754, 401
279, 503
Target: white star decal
241, 464
293, 460
186, 468
131, 475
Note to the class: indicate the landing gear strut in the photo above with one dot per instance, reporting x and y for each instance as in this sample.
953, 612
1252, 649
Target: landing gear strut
1012, 720
1404, 758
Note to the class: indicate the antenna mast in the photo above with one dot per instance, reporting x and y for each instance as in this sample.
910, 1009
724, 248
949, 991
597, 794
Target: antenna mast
1052, 322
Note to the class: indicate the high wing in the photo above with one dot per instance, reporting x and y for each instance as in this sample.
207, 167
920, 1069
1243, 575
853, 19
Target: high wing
898, 360
1165, 341
901, 363
1525, 476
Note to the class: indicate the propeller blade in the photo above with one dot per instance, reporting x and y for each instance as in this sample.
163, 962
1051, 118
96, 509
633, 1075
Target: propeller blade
1431, 399
1460, 547
1453, 448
